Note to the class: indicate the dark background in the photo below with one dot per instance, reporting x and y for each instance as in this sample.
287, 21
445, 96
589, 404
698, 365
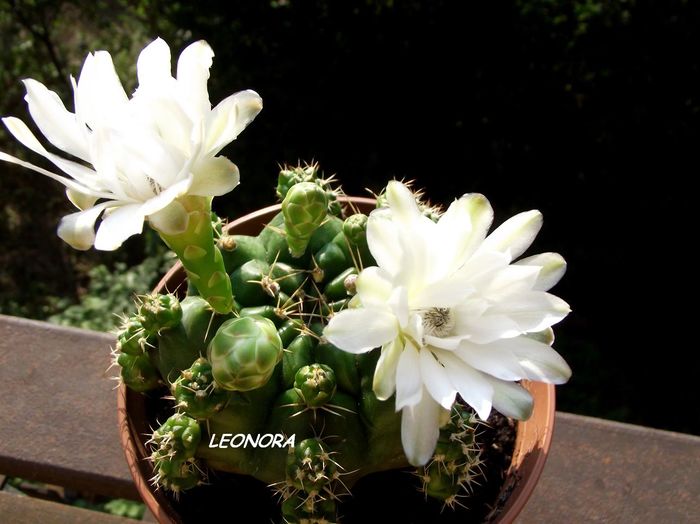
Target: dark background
586, 110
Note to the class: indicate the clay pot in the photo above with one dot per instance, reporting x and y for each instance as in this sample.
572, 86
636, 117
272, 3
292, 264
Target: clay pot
533, 437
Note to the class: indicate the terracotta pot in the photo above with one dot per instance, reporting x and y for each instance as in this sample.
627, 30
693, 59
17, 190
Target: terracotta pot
533, 437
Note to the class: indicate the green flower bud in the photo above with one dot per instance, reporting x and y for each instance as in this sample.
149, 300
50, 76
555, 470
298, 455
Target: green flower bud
196, 392
158, 312
355, 229
244, 353
304, 209
315, 384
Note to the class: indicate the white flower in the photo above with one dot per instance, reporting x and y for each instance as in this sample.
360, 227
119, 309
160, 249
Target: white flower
136, 156
452, 313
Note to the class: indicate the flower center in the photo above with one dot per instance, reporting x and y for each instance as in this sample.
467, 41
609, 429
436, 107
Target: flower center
438, 321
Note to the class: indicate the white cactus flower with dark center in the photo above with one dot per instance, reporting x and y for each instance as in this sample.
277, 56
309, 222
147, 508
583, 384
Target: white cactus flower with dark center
137, 157
453, 313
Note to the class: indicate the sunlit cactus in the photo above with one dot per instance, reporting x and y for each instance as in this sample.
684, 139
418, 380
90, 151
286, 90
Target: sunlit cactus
264, 368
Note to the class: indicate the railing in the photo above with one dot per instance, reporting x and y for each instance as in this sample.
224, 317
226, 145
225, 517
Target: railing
58, 425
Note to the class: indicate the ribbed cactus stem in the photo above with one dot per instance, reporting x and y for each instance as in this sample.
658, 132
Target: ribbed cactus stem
200, 256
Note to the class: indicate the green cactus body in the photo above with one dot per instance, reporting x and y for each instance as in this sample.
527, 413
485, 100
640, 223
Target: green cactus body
138, 372
132, 338
239, 249
301, 509
334, 258
253, 283
197, 251
180, 346
344, 365
289, 330
338, 288
315, 384
304, 208
197, 394
299, 353
262, 367
244, 353
455, 463
355, 231
159, 312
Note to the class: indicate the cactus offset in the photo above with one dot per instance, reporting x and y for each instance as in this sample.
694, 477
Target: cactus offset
255, 363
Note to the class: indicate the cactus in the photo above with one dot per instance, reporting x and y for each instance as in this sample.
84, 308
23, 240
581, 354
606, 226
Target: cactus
254, 362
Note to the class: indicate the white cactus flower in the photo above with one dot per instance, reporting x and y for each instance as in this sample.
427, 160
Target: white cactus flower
136, 156
453, 313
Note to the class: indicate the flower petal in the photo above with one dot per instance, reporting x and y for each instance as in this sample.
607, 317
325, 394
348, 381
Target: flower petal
80, 200
78, 229
171, 220
533, 311
153, 67
230, 116
409, 387
373, 286
449, 343
398, 301
420, 429
361, 330
192, 76
70, 184
164, 198
476, 321
383, 240
539, 361
84, 175
511, 399
99, 95
552, 268
384, 382
495, 359
515, 235
214, 177
447, 292
436, 380
58, 125
461, 229
402, 202
121, 223
473, 387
